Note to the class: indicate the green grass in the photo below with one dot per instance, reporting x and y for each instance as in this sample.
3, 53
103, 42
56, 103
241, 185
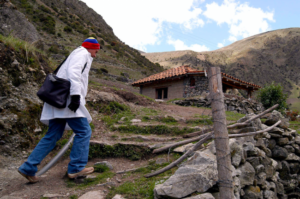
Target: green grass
202, 116
19, 44
141, 187
295, 125
101, 178
232, 116
207, 121
73, 197
158, 130
172, 100
118, 150
100, 168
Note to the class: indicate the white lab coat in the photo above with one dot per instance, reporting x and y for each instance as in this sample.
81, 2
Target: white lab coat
71, 70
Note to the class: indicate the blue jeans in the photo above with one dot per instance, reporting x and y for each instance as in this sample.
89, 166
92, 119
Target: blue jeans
80, 150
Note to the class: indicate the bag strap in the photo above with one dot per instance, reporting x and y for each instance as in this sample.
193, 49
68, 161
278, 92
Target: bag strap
56, 70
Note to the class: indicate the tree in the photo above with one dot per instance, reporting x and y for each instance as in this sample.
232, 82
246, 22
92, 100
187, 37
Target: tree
272, 94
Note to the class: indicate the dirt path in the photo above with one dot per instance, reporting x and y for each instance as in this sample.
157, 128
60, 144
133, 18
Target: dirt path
54, 182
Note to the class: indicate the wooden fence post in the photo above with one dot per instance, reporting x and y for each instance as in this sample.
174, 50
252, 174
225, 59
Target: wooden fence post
221, 133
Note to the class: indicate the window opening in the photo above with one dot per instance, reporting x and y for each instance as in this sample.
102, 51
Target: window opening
192, 81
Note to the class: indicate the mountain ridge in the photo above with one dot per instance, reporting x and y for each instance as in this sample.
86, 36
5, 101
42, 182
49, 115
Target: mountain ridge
259, 59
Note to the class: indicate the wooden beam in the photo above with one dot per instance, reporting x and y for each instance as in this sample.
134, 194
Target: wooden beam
236, 86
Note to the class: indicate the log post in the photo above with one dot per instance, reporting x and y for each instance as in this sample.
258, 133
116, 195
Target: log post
221, 133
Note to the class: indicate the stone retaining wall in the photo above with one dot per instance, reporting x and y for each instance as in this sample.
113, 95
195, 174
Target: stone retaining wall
232, 103
263, 167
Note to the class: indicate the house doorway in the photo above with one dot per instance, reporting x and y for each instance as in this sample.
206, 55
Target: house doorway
162, 93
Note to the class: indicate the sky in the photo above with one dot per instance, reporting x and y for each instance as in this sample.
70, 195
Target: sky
198, 25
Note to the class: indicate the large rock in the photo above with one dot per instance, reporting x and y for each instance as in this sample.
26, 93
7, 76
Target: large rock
256, 124
237, 152
274, 117
93, 195
202, 196
284, 172
247, 174
279, 153
197, 175
14, 22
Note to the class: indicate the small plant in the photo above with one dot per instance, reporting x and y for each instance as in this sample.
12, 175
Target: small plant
292, 115
100, 168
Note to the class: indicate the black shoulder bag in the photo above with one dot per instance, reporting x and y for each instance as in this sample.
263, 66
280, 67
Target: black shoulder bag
55, 90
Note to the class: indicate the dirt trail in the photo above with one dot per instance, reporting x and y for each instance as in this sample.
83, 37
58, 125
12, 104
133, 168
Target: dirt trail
54, 182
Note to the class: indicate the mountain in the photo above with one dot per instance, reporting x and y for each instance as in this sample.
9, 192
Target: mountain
260, 59
58, 27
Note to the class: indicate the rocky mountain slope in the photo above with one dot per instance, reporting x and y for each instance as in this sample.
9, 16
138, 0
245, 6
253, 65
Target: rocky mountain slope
261, 59
58, 27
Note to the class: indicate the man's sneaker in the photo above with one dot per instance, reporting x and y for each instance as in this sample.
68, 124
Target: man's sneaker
32, 179
84, 172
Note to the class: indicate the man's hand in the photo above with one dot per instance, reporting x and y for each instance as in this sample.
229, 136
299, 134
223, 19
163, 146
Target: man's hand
75, 103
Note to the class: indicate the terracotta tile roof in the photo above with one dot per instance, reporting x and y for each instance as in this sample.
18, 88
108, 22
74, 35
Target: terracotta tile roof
236, 79
171, 73
180, 71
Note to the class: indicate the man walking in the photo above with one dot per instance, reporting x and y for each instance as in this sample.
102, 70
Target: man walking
75, 116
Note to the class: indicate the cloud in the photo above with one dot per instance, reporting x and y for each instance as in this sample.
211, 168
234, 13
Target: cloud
232, 38
220, 45
242, 19
140, 23
179, 45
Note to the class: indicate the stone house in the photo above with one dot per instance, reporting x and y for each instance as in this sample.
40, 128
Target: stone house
184, 81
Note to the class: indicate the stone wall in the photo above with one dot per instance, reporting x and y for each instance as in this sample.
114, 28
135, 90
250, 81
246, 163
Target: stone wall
265, 166
201, 85
232, 103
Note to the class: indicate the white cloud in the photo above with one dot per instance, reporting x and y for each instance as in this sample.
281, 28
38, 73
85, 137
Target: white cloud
220, 45
232, 38
140, 23
179, 45
242, 19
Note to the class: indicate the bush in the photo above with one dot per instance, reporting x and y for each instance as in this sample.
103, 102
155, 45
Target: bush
48, 23
272, 94
104, 70
45, 9
67, 29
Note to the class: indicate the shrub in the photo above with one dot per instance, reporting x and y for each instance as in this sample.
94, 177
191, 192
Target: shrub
48, 23
45, 9
272, 94
67, 29
104, 70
